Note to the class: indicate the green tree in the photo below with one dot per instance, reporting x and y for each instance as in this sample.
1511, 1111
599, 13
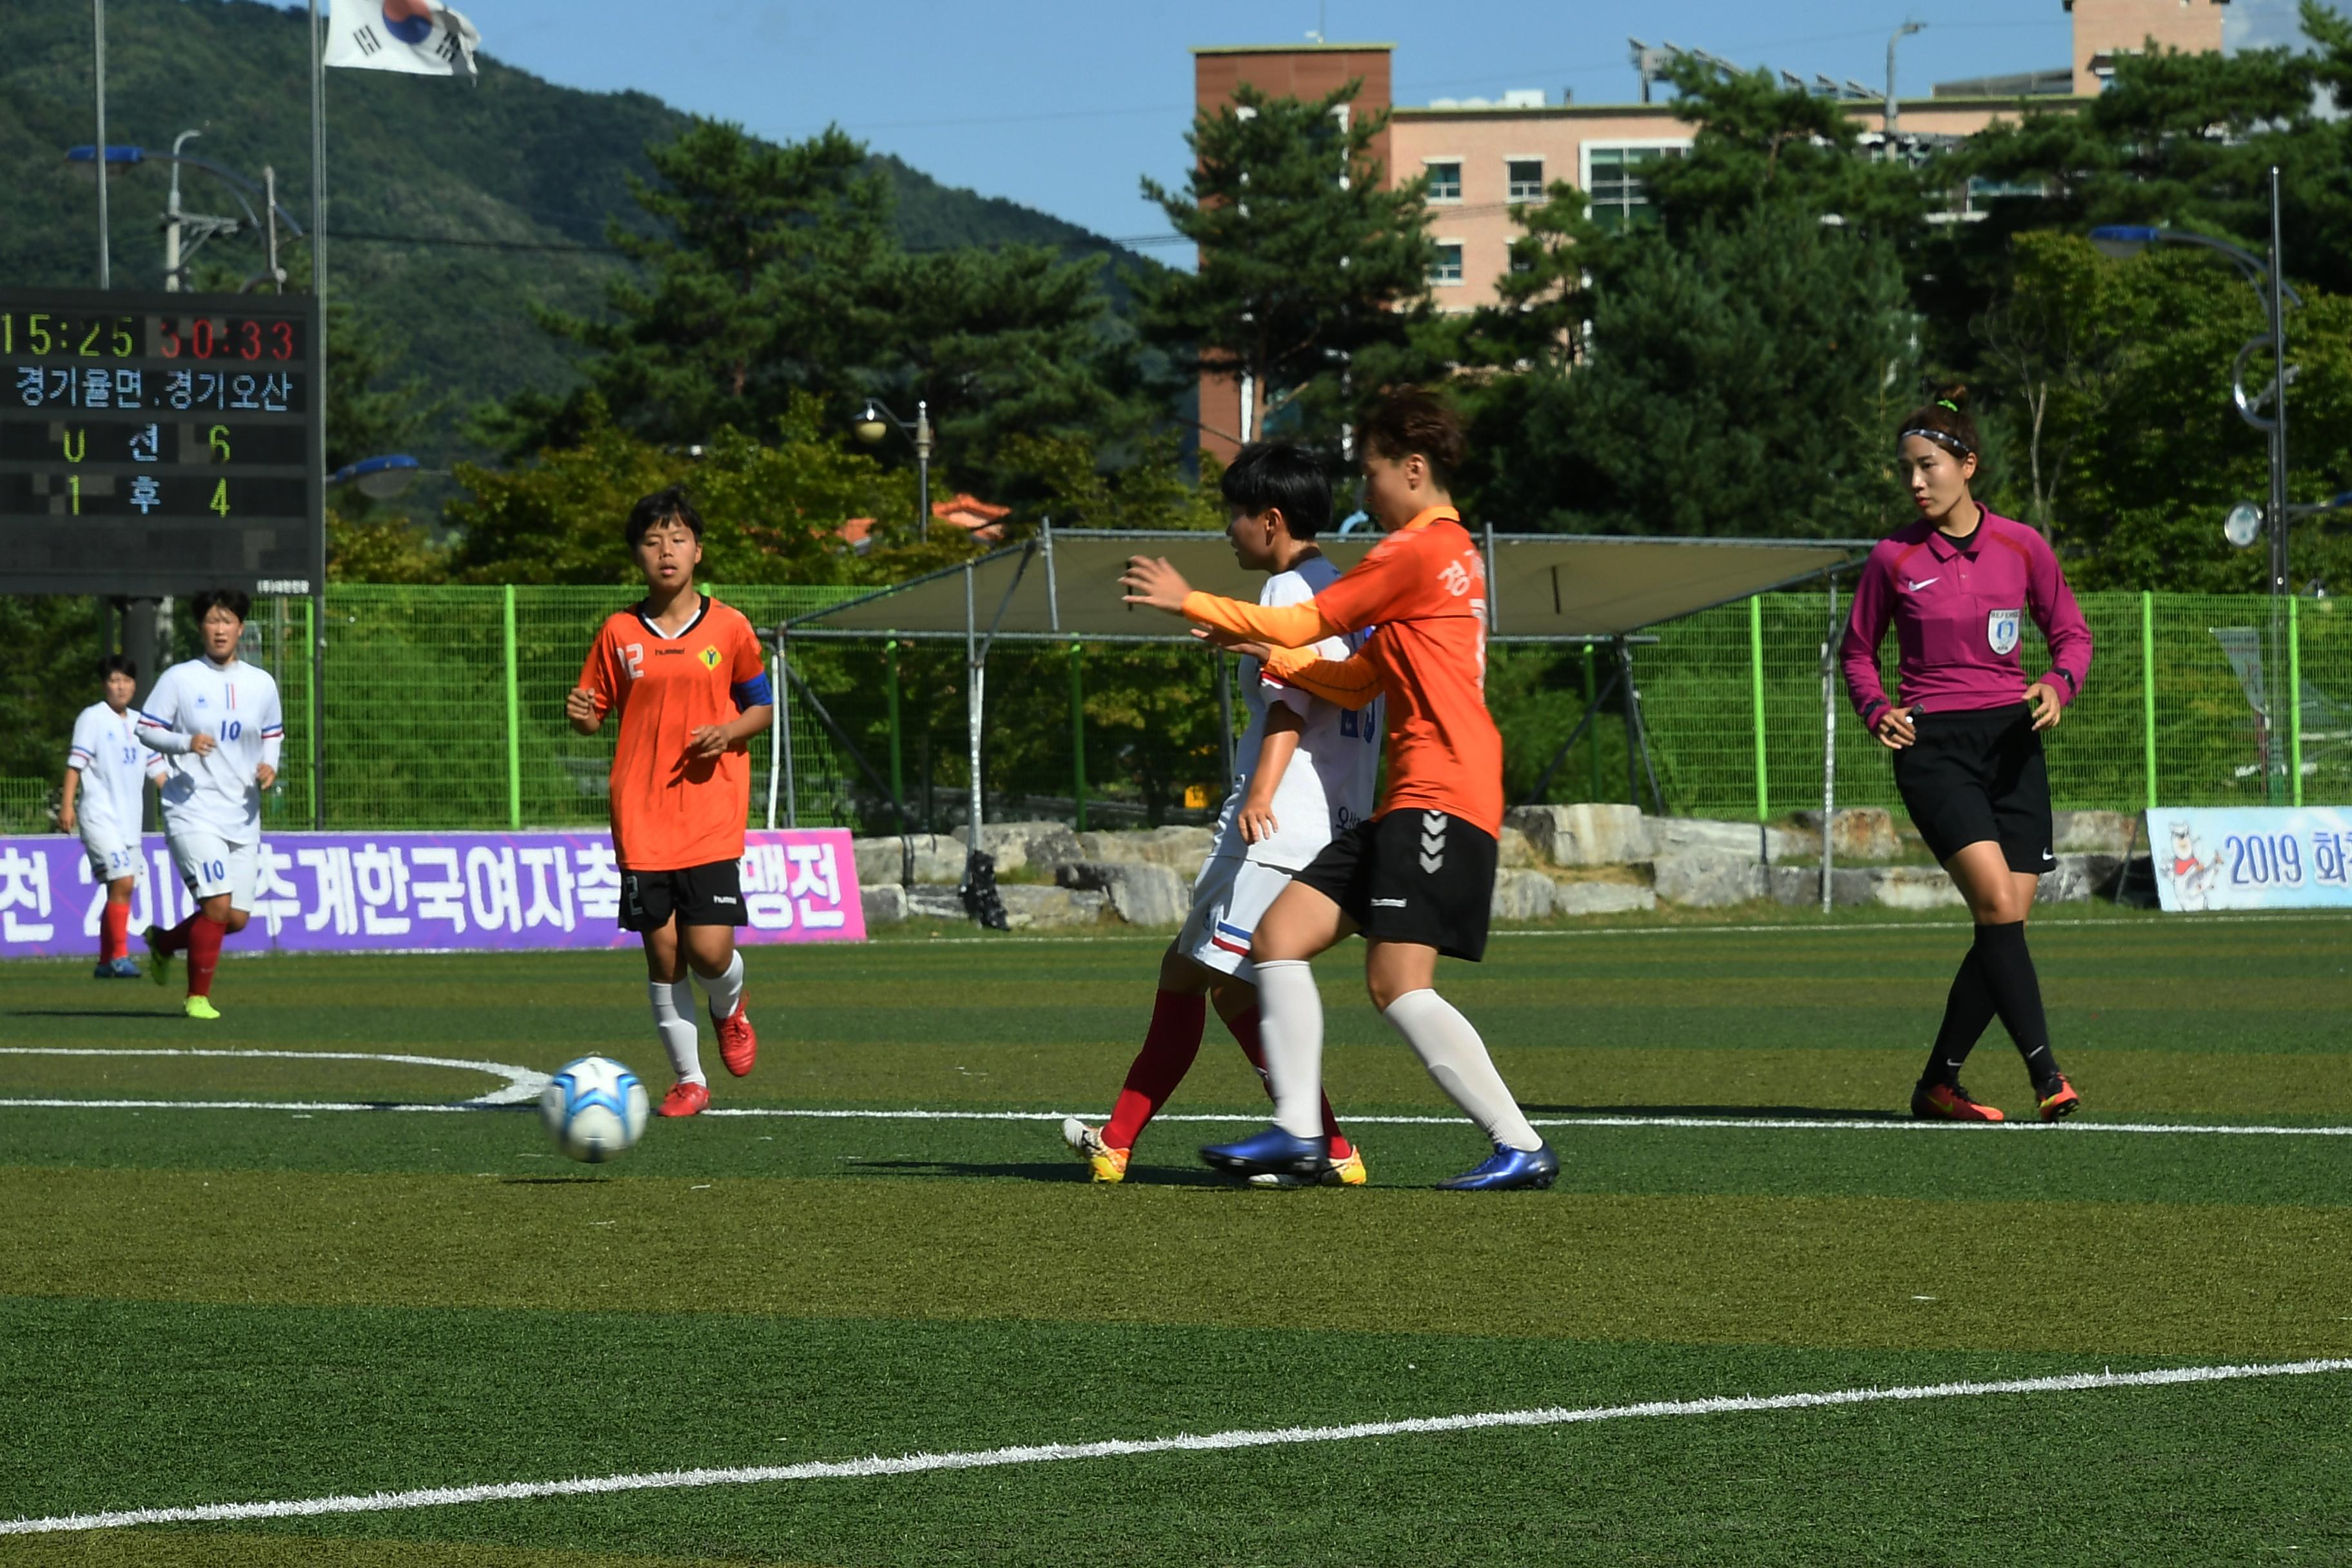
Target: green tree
1313, 271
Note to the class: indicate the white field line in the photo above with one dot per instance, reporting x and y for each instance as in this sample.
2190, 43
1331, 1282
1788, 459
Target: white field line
789, 1114
523, 1084
1211, 1442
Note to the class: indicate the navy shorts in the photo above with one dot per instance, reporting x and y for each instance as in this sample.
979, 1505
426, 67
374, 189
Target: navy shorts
1979, 774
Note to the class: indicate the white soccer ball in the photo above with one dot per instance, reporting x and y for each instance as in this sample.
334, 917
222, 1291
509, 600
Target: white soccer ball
594, 1109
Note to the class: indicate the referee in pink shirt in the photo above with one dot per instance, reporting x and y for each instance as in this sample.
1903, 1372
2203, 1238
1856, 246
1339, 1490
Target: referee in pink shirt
1967, 736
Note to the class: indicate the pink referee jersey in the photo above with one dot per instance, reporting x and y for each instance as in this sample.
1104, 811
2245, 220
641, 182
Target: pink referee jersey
1957, 607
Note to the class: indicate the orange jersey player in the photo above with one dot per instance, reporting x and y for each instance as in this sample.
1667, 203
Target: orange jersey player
686, 673
1418, 879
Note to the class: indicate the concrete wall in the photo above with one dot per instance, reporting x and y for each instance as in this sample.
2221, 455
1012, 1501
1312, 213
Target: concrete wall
2103, 27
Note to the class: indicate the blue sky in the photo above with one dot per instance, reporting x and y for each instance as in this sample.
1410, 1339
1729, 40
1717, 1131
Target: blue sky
1063, 104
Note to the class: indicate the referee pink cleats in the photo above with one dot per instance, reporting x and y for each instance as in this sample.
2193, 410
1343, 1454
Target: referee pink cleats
1949, 1102
738, 1047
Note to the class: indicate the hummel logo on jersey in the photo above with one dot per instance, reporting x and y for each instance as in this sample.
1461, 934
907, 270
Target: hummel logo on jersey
1922, 583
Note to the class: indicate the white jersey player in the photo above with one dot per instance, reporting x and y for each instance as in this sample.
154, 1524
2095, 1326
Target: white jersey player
217, 720
105, 802
1303, 771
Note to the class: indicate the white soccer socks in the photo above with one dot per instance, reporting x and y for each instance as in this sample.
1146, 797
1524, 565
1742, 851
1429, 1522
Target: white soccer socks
725, 990
678, 1034
1457, 1058
1290, 1028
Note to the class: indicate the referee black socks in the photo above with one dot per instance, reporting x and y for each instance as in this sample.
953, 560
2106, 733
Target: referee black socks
2008, 967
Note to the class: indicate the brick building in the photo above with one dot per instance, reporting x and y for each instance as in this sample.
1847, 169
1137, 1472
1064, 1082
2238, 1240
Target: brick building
1483, 159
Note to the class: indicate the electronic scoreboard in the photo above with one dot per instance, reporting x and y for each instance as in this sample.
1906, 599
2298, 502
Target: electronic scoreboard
154, 444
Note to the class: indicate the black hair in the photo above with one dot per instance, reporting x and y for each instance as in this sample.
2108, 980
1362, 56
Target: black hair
117, 664
1944, 419
236, 601
661, 507
1266, 475
1410, 420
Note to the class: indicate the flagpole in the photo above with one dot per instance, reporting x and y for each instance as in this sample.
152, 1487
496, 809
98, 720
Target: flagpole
319, 447
98, 53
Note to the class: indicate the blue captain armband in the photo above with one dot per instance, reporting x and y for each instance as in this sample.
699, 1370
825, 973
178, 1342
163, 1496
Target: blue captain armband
754, 693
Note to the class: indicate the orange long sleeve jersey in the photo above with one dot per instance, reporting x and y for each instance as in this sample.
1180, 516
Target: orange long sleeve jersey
1424, 591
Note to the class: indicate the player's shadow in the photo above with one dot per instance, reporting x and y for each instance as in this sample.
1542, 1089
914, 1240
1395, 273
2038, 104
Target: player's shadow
93, 1013
1732, 1113
1030, 1171
551, 1181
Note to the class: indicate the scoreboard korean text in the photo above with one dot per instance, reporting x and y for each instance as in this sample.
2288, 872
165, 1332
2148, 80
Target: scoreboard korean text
156, 444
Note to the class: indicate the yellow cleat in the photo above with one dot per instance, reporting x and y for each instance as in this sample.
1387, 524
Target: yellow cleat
1348, 1173
201, 1007
1109, 1164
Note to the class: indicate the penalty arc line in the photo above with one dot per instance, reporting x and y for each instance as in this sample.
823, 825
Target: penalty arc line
1187, 1443
523, 1084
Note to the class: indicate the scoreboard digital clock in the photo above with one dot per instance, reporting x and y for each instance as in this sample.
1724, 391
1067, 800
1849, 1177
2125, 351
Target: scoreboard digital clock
155, 444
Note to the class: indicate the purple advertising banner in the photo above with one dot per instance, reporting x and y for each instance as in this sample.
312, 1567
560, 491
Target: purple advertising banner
359, 893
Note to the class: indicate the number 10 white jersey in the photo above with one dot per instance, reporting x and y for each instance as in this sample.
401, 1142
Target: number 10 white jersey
236, 704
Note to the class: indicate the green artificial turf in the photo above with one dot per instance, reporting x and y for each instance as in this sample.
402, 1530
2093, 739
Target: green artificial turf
219, 1305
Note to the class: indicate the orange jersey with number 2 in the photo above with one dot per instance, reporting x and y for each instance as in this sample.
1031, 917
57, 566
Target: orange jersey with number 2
1424, 588
671, 811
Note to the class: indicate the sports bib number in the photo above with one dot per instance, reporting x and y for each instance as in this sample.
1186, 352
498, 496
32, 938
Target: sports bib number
2001, 630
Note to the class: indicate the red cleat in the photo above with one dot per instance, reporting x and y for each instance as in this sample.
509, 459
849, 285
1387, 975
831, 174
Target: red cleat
738, 1047
684, 1099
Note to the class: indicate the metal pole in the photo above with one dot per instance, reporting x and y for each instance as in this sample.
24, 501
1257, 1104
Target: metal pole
97, 58
890, 689
782, 745
2294, 699
922, 470
270, 196
172, 216
1078, 735
319, 392
1756, 699
1829, 748
2277, 302
1593, 745
1632, 746
971, 683
1493, 593
514, 721
1904, 31
774, 758
2148, 686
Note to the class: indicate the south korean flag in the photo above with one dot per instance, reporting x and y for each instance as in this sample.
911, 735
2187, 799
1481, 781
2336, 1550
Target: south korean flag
2000, 630
415, 37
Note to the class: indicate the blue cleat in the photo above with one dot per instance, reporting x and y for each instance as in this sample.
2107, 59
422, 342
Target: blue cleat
105, 970
1506, 1168
1272, 1153
125, 970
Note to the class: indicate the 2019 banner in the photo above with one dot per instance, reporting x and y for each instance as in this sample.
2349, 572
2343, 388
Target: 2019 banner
2251, 857
356, 892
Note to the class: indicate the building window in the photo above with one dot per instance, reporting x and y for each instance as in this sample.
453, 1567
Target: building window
1444, 179
1447, 267
1613, 179
1526, 178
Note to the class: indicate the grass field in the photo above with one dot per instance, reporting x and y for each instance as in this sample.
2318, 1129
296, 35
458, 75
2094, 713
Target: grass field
212, 1306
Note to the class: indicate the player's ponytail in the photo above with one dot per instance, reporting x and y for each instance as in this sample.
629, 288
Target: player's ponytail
1944, 419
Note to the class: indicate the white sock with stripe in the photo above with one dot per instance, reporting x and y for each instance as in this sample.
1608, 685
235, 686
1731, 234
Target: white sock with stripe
679, 1035
1457, 1058
725, 990
1290, 1028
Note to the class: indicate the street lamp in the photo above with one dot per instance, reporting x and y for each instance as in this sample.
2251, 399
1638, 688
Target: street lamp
2268, 280
1901, 33
118, 158
875, 424
379, 478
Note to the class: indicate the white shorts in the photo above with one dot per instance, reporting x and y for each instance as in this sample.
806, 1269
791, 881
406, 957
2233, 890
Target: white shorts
210, 865
1228, 897
112, 858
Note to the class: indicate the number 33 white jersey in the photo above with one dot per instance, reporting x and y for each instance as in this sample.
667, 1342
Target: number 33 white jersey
236, 704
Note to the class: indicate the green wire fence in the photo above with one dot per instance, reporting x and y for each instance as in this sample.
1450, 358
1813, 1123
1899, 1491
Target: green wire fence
445, 710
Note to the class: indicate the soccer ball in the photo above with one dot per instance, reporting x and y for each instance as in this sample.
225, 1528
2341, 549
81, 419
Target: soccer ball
594, 1108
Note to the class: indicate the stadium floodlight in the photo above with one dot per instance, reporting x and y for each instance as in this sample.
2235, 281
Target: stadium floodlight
874, 422
379, 478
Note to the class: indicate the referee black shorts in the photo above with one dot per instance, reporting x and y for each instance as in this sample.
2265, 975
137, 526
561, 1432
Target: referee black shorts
709, 895
1975, 776
1415, 876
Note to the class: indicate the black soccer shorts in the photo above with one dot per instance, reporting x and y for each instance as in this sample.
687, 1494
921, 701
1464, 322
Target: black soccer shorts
1978, 774
710, 895
1415, 876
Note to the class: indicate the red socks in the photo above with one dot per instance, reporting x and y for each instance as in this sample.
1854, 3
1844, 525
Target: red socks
114, 933
1244, 1030
203, 937
175, 941
1169, 1048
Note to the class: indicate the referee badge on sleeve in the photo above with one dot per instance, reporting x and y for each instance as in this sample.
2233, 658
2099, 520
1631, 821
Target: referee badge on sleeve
2001, 630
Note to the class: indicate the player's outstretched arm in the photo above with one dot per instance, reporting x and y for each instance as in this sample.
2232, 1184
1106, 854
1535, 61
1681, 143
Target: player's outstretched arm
1351, 682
